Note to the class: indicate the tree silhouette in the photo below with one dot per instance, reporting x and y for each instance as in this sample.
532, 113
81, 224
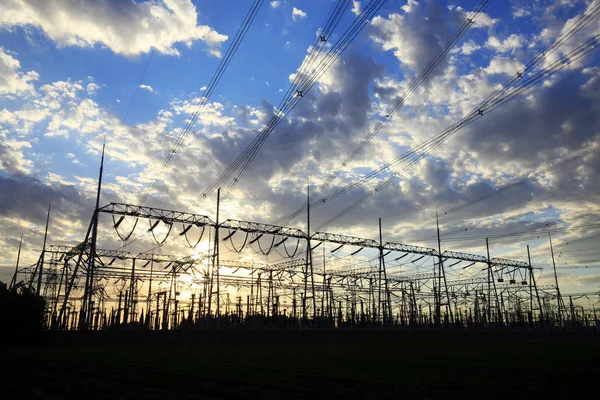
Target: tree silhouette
21, 310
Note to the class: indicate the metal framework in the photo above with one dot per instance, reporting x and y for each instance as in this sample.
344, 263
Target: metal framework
91, 288
166, 216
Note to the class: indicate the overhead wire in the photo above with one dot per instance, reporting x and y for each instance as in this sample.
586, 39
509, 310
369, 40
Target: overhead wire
469, 20
210, 87
518, 183
309, 82
415, 155
286, 101
243, 161
503, 94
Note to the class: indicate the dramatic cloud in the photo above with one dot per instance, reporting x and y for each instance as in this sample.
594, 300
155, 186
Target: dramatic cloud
27, 197
125, 27
496, 175
12, 80
416, 35
12, 160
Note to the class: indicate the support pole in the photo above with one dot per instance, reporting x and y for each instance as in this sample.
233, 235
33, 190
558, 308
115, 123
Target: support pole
41, 268
324, 285
442, 274
88, 293
537, 294
558, 296
149, 298
491, 278
63, 278
309, 265
13, 281
216, 260
132, 297
312, 272
382, 269
438, 310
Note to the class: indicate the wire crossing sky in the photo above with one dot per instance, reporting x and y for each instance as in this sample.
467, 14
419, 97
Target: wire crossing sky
486, 110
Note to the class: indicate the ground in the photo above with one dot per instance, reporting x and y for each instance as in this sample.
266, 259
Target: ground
300, 365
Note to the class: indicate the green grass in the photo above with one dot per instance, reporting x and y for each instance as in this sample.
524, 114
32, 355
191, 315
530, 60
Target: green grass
282, 365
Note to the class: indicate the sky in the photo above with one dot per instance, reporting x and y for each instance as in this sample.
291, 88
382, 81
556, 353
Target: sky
74, 73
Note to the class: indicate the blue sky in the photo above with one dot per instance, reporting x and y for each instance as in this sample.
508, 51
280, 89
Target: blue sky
71, 68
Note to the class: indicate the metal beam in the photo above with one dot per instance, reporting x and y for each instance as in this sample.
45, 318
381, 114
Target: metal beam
125, 255
408, 248
344, 239
255, 227
464, 256
167, 216
503, 262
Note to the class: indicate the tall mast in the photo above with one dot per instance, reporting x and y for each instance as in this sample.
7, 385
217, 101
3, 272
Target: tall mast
216, 260
41, 269
13, 281
83, 317
558, 298
438, 310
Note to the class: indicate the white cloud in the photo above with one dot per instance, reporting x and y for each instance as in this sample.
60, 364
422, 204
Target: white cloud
219, 139
211, 114
275, 3
469, 47
62, 89
73, 158
84, 117
356, 7
414, 33
12, 159
520, 12
298, 14
125, 27
23, 120
203, 88
410, 6
483, 20
503, 65
512, 42
147, 87
92, 88
8, 118
56, 178
12, 81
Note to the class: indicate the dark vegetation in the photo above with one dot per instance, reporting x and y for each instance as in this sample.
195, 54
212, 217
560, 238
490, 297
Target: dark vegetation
21, 310
340, 364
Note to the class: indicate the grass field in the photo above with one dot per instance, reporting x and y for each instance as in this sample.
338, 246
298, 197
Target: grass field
300, 365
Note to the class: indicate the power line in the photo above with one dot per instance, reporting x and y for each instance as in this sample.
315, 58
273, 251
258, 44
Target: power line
504, 95
515, 85
289, 100
519, 183
455, 38
243, 161
233, 47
